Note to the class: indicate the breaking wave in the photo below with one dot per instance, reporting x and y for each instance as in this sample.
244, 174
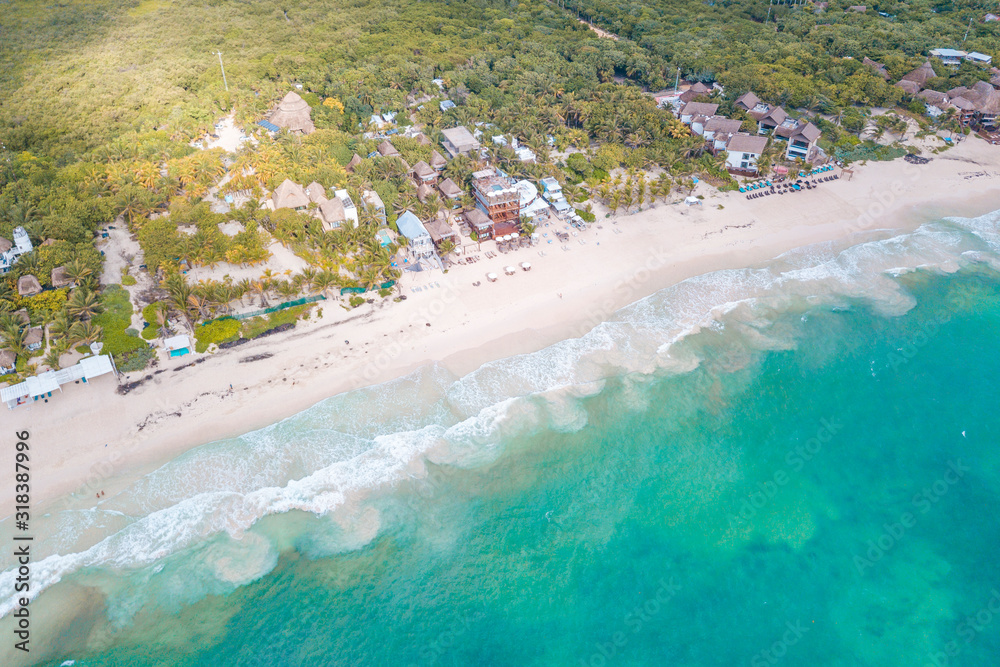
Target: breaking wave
206, 518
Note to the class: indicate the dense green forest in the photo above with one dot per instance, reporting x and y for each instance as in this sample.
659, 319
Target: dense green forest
101, 100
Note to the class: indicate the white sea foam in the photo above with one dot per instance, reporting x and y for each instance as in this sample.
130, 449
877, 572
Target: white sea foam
205, 509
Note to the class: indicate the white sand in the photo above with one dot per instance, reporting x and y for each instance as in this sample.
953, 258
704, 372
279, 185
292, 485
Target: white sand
471, 325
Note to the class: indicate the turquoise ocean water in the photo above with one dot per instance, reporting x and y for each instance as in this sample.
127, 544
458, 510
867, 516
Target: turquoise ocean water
796, 464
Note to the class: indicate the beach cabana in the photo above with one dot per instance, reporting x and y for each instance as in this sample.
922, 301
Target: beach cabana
177, 346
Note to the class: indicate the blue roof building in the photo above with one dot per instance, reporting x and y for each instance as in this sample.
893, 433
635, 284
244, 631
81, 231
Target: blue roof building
418, 237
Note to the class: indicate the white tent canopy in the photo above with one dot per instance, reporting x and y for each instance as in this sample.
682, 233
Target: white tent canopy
49, 381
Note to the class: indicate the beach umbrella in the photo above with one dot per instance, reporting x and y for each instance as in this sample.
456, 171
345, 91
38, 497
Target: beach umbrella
492, 277
515, 235
526, 266
509, 270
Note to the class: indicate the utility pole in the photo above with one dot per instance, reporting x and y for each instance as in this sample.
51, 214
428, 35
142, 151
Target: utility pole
677, 81
967, 32
219, 53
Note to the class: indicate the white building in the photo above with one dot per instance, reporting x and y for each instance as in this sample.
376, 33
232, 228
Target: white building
350, 210
743, 151
43, 384
10, 252
418, 238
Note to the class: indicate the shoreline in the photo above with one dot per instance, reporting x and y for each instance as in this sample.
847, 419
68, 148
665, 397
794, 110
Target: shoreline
116, 439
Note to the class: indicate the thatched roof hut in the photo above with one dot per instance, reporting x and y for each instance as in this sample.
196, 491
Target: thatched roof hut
33, 338
7, 359
423, 139
332, 213
920, 75
423, 192
423, 172
438, 161
352, 165
60, 278
28, 285
22, 316
294, 113
449, 189
5, 244
440, 230
910, 87
386, 149
289, 195
316, 193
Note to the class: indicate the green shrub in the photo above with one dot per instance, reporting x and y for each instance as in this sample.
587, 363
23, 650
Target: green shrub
135, 360
128, 281
118, 338
150, 333
586, 215
149, 312
257, 326
219, 331
356, 301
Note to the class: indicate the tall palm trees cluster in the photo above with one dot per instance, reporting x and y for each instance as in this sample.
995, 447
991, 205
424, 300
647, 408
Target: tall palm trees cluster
632, 188
142, 179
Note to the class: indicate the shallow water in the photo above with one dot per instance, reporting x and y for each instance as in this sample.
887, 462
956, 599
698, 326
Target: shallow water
794, 464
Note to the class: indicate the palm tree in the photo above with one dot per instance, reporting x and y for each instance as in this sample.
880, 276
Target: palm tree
446, 248
83, 304
179, 293
77, 271
13, 334
60, 325
52, 356
85, 332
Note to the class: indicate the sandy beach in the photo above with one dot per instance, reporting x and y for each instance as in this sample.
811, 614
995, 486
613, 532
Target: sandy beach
90, 437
